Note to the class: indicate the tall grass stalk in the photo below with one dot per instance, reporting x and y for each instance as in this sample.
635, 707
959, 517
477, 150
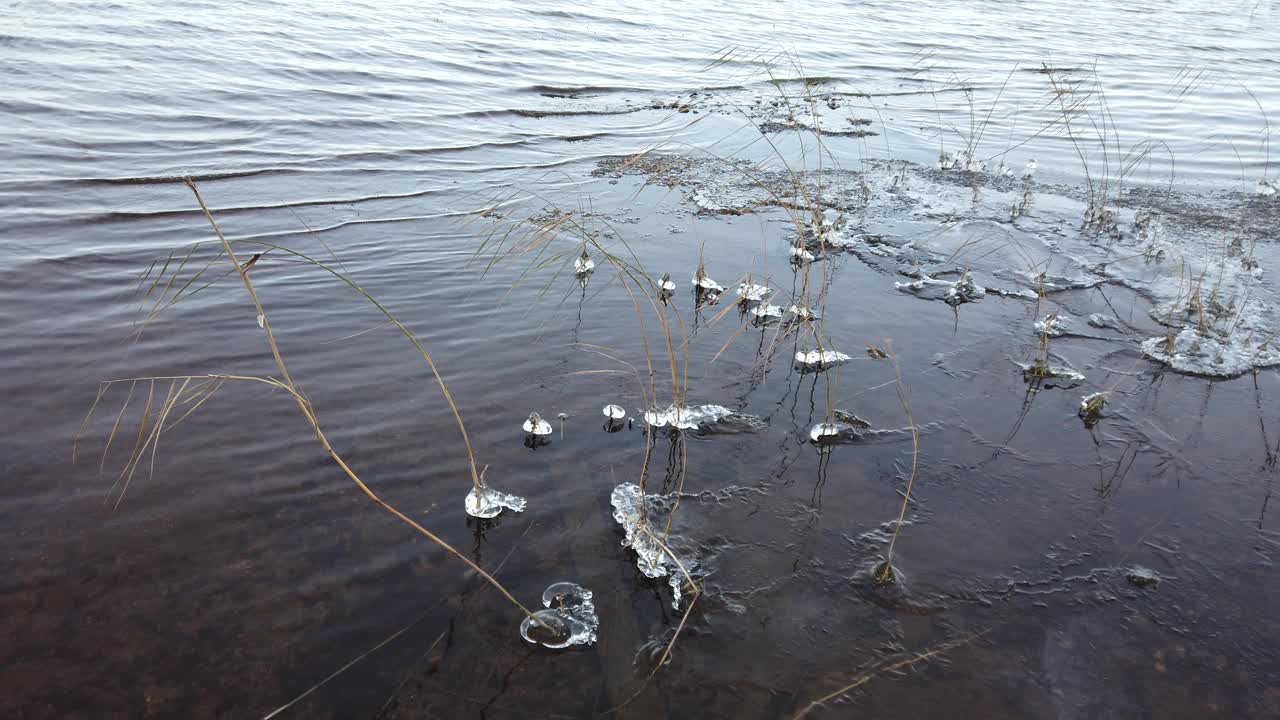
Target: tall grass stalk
886, 572
178, 395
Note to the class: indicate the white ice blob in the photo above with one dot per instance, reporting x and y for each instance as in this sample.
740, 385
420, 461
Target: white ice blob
536, 425
823, 433
799, 254
1052, 325
584, 264
1051, 375
1029, 171
614, 412
706, 284
765, 311
1092, 403
802, 312
964, 290
750, 292
686, 418
485, 502
819, 360
665, 283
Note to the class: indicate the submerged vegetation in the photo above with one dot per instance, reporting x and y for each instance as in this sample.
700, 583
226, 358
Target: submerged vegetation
1215, 323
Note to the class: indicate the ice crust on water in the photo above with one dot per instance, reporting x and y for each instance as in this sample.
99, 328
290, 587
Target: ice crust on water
614, 412
570, 614
485, 502
1153, 241
687, 418
820, 360
1198, 354
536, 425
651, 558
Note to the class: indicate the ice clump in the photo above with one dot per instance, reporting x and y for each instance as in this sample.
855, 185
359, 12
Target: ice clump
485, 502
1099, 320
570, 618
665, 283
830, 433
1052, 326
687, 418
702, 283
1091, 407
749, 292
651, 558
1198, 354
1050, 376
802, 312
820, 360
1029, 171
764, 312
614, 412
1266, 187
583, 264
535, 425
800, 255
962, 160
962, 291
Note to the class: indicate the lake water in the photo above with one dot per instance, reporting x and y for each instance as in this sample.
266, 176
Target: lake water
404, 144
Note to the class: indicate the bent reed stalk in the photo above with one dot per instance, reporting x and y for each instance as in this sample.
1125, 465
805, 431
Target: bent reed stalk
308, 412
208, 383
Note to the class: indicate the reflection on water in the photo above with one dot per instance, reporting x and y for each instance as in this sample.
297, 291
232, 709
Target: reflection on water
243, 568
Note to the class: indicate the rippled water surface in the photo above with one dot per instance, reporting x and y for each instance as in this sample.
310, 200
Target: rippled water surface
408, 146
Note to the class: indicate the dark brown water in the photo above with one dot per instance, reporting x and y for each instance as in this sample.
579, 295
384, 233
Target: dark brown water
246, 569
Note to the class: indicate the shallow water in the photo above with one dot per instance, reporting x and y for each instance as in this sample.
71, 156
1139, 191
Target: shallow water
247, 569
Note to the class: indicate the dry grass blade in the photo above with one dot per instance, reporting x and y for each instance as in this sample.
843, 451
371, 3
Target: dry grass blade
884, 666
305, 407
886, 573
149, 430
